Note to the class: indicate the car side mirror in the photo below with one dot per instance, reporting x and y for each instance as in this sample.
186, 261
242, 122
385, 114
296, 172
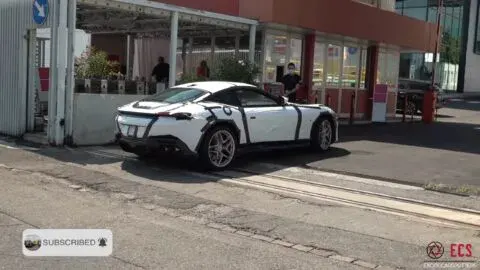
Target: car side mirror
282, 100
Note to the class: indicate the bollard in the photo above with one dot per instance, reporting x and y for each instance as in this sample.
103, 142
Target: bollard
404, 112
411, 115
352, 108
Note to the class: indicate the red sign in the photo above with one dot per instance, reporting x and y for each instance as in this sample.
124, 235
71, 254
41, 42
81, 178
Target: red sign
44, 74
380, 93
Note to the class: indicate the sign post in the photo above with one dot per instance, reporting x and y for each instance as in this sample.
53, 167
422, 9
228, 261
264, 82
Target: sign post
379, 110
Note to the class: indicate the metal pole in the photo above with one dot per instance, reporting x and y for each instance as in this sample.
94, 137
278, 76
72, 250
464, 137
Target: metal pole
438, 39
237, 45
173, 48
61, 67
70, 91
251, 43
52, 91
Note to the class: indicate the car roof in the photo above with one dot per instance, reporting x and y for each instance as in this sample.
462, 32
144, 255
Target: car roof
212, 86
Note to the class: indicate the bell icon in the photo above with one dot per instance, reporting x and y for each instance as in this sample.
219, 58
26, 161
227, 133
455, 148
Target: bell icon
102, 242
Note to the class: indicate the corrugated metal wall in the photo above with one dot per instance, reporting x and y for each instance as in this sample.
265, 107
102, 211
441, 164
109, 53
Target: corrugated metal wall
15, 19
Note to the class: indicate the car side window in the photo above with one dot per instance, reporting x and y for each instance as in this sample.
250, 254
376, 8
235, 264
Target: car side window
224, 97
251, 98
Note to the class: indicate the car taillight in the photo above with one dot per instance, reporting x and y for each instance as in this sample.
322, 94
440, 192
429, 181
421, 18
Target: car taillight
178, 115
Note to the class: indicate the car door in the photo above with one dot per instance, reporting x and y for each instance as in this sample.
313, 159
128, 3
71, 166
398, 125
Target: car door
267, 120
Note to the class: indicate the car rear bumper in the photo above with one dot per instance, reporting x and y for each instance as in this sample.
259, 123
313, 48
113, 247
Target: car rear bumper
155, 144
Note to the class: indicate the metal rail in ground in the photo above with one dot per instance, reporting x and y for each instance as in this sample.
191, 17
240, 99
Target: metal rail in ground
375, 201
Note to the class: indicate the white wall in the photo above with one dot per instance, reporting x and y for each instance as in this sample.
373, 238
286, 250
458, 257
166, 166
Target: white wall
82, 41
94, 117
15, 19
472, 63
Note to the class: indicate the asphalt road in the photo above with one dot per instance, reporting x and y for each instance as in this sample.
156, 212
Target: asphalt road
172, 219
446, 152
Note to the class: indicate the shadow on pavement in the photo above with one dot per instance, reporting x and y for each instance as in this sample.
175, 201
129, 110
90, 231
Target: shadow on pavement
451, 136
472, 105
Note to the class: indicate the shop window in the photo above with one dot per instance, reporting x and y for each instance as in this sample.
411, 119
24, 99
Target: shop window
363, 72
296, 54
387, 73
318, 65
381, 68
351, 63
334, 59
275, 56
393, 61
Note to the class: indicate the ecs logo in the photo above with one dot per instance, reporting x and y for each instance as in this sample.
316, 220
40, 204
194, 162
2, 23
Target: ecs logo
460, 250
435, 250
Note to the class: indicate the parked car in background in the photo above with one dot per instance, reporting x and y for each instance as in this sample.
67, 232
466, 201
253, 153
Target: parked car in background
414, 91
213, 120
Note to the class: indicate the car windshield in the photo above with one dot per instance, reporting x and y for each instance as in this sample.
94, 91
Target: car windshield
177, 95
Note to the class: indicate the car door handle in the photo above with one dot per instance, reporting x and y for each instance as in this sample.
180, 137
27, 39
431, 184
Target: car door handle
253, 117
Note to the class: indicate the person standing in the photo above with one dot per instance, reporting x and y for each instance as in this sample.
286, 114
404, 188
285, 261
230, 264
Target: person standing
161, 71
291, 82
203, 71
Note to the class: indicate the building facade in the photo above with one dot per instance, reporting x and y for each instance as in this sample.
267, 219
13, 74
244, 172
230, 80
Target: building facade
458, 58
342, 49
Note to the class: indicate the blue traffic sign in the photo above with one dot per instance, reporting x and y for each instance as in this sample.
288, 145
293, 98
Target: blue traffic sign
40, 11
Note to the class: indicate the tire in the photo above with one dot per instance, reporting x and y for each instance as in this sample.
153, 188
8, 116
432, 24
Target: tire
216, 155
318, 140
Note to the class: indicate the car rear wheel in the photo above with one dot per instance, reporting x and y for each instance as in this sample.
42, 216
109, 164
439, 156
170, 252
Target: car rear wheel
219, 148
322, 134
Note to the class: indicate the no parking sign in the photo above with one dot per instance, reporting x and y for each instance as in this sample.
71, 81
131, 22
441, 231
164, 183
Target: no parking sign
40, 11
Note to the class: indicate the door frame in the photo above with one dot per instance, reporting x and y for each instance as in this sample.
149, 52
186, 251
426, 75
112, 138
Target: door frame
31, 78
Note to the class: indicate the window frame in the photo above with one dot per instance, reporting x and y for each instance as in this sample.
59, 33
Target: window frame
227, 91
260, 92
476, 47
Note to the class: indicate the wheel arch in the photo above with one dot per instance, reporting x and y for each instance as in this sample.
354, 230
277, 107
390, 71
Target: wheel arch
216, 123
330, 118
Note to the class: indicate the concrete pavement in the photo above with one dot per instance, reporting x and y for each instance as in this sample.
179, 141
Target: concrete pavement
173, 218
142, 239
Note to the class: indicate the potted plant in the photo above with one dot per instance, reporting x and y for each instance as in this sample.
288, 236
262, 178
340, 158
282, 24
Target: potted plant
94, 68
236, 70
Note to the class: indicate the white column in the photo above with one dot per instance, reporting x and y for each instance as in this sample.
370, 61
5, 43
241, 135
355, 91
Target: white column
61, 67
52, 91
173, 48
251, 44
70, 92
129, 57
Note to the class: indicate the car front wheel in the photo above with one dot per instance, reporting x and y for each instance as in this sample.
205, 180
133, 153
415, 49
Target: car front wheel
322, 134
219, 148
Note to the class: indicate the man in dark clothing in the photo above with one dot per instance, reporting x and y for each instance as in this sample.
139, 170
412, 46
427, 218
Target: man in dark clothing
161, 71
290, 82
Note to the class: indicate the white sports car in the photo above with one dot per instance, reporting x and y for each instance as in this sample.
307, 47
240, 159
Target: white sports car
213, 120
